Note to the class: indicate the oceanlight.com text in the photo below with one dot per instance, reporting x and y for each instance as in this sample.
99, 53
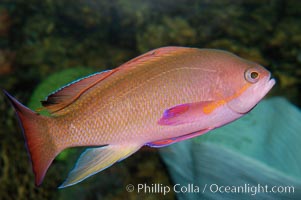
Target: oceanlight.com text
249, 189
212, 188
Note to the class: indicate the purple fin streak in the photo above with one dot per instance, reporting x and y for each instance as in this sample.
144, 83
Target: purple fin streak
184, 113
166, 142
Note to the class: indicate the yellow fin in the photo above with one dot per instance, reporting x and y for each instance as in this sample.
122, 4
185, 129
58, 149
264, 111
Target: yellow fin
94, 160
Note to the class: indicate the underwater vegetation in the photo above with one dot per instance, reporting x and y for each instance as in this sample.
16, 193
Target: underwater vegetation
262, 147
40, 38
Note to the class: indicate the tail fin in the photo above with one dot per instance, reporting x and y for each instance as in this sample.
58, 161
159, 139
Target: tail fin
40, 145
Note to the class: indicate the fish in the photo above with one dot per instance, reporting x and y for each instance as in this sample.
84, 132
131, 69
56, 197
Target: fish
164, 96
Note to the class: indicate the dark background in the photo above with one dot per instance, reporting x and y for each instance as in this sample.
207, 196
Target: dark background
40, 38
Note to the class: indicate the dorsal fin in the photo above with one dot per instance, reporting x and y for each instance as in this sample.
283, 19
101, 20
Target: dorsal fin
66, 95
150, 55
71, 92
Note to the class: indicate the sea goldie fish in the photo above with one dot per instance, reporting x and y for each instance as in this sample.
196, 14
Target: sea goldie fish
164, 96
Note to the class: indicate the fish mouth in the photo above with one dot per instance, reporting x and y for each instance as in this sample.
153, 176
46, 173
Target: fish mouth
267, 84
270, 82
250, 98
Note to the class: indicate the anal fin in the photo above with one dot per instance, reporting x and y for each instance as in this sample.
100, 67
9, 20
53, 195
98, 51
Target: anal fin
94, 160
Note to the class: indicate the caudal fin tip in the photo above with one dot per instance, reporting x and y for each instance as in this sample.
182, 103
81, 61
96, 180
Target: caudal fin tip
39, 178
10, 97
38, 183
14, 102
6, 93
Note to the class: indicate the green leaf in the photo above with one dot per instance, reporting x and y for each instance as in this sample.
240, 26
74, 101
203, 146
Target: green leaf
261, 149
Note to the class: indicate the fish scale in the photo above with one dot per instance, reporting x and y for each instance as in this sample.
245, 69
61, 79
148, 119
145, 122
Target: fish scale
128, 101
161, 97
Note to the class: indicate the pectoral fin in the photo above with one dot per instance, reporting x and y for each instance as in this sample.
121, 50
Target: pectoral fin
94, 160
184, 113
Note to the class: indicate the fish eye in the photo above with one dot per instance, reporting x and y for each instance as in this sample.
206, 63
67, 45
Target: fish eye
252, 75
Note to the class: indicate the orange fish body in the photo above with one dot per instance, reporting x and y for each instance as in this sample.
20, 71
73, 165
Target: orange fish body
162, 97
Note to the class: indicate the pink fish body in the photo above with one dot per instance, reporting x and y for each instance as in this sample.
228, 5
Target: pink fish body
159, 98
